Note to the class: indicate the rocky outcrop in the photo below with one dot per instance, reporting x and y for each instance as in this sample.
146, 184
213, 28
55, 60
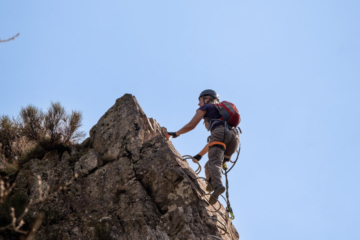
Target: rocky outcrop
88, 162
123, 129
131, 184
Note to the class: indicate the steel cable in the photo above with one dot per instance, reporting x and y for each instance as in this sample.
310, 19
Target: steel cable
198, 170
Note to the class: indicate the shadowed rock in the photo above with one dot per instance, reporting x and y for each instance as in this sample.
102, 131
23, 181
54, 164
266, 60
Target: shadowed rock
88, 162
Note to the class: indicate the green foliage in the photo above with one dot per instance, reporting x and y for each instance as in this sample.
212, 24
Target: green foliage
35, 132
32, 135
32, 120
73, 123
35, 151
9, 170
9, 133
53, 123
53, 128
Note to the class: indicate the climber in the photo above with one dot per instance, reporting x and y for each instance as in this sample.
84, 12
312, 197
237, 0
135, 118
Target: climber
222, 143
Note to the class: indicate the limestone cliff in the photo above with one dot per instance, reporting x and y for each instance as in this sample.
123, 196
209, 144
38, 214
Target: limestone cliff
131, 184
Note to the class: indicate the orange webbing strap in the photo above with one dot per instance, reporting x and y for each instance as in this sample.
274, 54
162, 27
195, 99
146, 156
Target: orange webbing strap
217, 143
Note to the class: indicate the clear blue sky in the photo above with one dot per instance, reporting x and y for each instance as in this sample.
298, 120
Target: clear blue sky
291, 67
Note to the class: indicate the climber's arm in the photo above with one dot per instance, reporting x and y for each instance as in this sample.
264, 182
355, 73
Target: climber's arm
191, 125
201, 153
205, 150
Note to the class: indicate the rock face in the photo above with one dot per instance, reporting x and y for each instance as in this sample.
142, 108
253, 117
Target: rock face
131, 184
88, 162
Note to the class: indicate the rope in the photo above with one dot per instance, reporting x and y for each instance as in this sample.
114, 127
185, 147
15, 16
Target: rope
225, 172
238, 153
228, 206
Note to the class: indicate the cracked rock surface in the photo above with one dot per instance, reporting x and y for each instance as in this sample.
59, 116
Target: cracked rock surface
132, 184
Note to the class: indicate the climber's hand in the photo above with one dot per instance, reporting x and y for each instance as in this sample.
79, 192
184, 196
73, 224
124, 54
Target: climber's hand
197, 157
171, 134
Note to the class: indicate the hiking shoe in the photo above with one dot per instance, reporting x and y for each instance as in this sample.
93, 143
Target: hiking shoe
214, 196
209, 188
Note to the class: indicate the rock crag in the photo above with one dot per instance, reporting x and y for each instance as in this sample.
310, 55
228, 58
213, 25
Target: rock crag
131, 184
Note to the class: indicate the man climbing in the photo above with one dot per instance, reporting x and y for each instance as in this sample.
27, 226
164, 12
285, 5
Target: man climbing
222, 143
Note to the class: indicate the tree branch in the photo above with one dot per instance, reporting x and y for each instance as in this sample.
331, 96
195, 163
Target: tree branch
12, 38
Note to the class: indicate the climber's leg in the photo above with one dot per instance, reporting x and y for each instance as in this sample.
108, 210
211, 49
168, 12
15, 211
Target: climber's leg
208, 177
216, 156
232, 142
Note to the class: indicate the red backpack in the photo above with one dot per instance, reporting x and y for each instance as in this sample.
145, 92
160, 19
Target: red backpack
229, 113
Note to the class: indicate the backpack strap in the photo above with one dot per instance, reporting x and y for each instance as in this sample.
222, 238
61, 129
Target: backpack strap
212, 121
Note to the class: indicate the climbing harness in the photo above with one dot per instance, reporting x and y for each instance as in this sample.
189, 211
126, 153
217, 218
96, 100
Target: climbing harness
217, 144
